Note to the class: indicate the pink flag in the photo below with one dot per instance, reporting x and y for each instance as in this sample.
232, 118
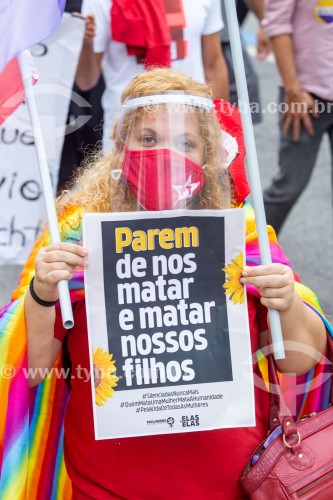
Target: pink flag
22, 24
11, 86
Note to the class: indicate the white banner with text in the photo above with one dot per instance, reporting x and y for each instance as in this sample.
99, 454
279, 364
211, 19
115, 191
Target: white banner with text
22, 209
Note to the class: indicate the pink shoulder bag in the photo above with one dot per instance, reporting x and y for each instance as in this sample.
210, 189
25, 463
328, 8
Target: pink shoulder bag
296, 460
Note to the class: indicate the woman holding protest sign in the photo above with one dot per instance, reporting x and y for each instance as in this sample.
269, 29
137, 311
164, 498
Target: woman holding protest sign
167, 155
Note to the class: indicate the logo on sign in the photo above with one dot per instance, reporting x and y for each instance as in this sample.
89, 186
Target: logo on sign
190, 421
171, 421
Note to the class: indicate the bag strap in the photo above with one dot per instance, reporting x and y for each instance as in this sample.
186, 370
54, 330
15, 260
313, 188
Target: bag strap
279, 413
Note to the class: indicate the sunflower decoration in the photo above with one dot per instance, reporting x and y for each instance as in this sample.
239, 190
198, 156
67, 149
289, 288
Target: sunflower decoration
233, 285
104, 379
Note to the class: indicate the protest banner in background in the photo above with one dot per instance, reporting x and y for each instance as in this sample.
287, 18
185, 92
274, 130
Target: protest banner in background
156, 301
21, 196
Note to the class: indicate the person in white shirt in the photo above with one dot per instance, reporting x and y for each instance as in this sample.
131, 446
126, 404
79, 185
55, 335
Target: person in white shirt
204, 62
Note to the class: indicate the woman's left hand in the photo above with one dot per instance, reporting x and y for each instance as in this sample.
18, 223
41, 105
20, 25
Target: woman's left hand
274, 282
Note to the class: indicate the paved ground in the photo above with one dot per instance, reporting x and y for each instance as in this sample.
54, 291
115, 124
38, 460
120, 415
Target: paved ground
308, 235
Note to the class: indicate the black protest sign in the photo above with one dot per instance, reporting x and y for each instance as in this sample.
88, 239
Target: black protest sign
165, 304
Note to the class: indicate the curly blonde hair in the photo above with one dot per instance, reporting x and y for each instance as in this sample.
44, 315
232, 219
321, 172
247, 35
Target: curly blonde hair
94, 188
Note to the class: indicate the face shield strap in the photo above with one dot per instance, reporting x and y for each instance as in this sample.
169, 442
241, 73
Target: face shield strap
154, 100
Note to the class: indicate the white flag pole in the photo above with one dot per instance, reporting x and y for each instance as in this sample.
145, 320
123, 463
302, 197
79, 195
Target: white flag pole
64, 297
252, 162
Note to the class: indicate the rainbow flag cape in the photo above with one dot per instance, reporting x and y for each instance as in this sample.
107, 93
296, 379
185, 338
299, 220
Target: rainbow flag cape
31, 420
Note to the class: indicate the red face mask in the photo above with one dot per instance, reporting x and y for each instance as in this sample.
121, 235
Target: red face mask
156, 177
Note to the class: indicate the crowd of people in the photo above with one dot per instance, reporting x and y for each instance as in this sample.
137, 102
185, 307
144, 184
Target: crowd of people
177, 51
303, 89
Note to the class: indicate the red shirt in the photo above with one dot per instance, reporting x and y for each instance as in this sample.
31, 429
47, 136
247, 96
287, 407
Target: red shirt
190, 466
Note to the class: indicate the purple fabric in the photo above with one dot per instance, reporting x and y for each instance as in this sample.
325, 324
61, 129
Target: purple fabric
62, 4
26, 22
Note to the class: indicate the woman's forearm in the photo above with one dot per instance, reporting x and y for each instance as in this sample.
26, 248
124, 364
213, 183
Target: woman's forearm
43, 348
284, 53
304, 335
53, 263
89, 68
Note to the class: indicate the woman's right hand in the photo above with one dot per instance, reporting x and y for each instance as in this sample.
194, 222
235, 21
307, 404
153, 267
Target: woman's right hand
54, 263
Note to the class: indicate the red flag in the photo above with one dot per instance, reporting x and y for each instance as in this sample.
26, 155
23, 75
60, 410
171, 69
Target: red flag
11, 85
11, 89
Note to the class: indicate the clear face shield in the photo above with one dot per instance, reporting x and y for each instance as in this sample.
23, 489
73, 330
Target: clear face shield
168, 154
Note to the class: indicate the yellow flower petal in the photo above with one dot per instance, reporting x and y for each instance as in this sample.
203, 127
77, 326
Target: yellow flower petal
104, 366
238, 296
233, 286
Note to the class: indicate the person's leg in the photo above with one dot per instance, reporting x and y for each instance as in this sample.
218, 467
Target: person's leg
253, 88
296, 163
226, 49
251, 79
330, 135
242, 11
